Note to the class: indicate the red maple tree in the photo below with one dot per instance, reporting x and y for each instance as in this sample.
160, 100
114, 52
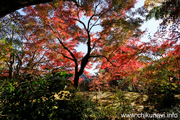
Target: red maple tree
60, 28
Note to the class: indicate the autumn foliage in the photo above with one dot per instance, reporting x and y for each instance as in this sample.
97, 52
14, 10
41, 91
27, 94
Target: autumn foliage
51, 33
50, 48
59, 28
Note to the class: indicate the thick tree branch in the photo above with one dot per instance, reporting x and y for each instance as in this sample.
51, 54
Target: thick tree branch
86, 57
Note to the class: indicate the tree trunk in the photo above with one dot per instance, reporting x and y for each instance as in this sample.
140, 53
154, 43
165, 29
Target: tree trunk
11, 66
81, 71
76, 79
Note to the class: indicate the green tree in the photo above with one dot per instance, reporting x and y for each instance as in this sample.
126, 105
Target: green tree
168, 10
10, 39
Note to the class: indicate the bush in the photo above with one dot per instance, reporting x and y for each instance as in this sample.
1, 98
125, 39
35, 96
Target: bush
32, 99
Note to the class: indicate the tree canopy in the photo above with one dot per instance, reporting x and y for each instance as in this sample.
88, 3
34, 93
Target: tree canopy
60, 28
168, 10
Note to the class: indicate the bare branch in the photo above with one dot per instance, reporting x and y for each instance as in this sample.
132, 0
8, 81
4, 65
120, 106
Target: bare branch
105, 58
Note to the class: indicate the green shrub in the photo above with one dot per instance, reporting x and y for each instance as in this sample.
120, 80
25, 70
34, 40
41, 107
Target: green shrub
31, 99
